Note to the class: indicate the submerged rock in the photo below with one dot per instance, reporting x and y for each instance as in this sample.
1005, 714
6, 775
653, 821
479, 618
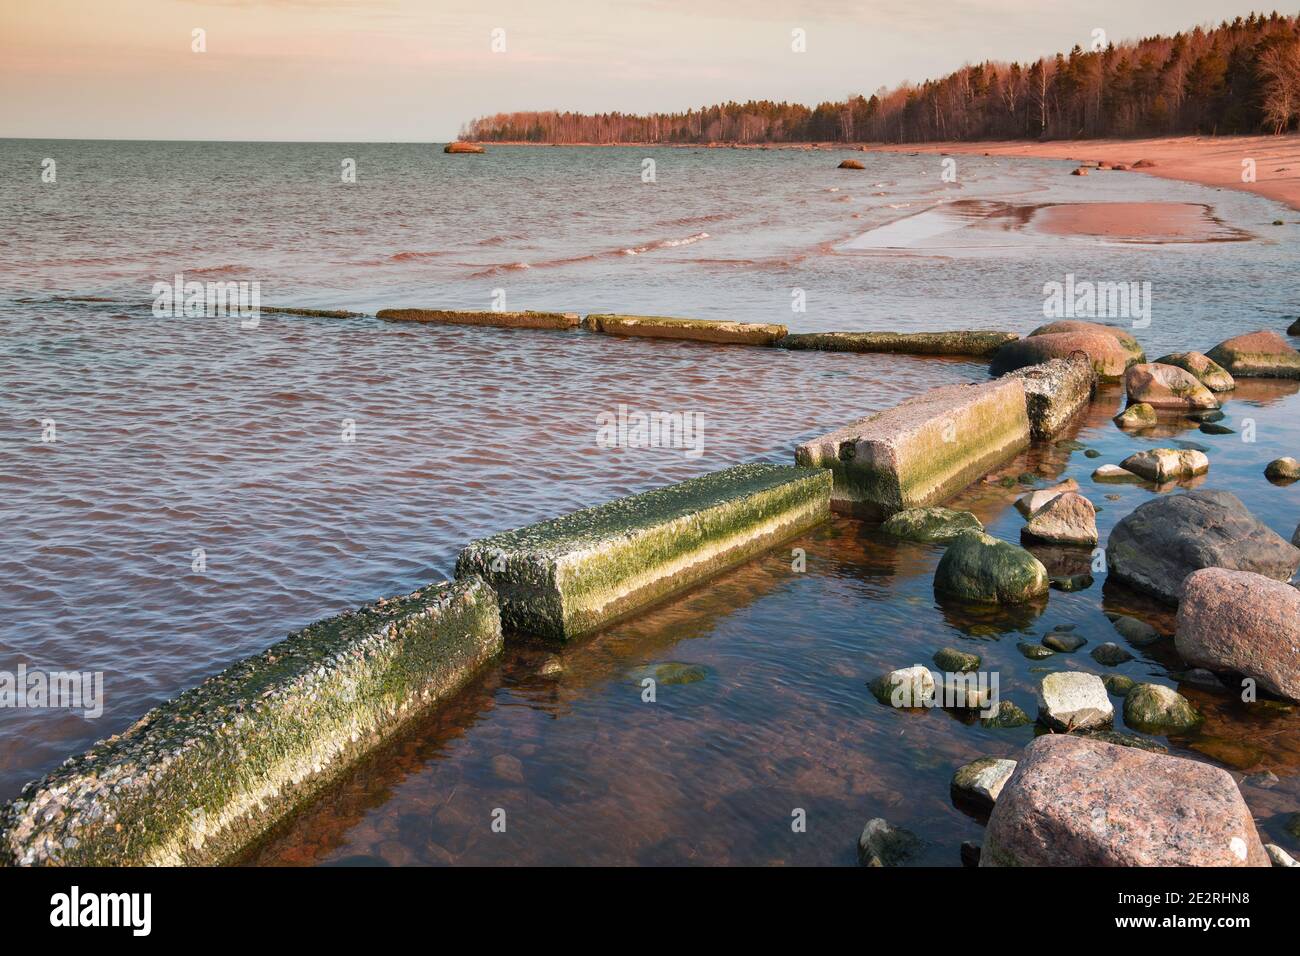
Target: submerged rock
954, 661
1206, 371
1068, 519
1258, 355
1161, 542
850, 164
1155, 709
983, 570
670, 673
1141, 415
1110, 654
1138, 633
1167, 386
978, 783
1072, 700
1063, 641
1009, 715
1282, 469
1118, 684
1167, 464
1074, 801
970, 853
883, 845
932, 525
1035, 652
1242, 623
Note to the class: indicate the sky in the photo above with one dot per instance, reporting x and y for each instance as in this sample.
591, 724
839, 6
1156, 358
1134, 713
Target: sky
415, 70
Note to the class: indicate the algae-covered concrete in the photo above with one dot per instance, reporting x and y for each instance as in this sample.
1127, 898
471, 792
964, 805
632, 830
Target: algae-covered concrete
311, 313
923, 451
570, 575
696, 330
978, 343
204, 776
499, 320
1056, 392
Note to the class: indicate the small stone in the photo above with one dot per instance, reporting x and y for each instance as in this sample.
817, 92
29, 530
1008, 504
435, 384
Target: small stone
1282, 469
1063, 642
1167, 464
1071, 700
1114, 474
884, 845
979, 782
905, 687
1008, 715
1210, 428
1029, 503
1092, 453
1155, 709
1035, 652
1264, 780
1068, 519
1209, 415
954, 661
1069, 584
670, 673
1141, 415
850, 164
1110, 654
508, 767
1279, 856
1118, 684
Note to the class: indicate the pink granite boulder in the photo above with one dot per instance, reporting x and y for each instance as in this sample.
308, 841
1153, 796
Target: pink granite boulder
1167, 386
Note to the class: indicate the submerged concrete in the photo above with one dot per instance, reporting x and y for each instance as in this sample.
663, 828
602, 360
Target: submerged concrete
499, 320
696, 330
311, 313
201, 778
982, 344
923, 451
571, 575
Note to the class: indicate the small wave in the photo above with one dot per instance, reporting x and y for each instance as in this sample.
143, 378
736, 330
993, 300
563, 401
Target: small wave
414, 256
665, 244
590, 257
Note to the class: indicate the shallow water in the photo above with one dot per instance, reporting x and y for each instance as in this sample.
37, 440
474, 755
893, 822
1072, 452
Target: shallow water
176, 434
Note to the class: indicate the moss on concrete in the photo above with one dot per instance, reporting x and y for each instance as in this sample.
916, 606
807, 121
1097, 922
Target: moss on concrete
204, 776
1056, 393
313, 313
499, 320
697, 330
568, 576
923, 451
978, 343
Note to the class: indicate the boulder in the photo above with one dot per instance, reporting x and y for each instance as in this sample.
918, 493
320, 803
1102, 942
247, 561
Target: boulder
1068, 519
1163, 541
906, 687
1138, 633
1056, 392
1258, 355
460, 147
1206, 371
953, 661
1009, 714
1141, 415
883, 845
1294, 328
1167, 464
850, 164
923, 451
1107, 354
1242, 623
930, 524
1073, 700
1155, 709
978, 783
1028, 504
1276, 854
981, 569
1066, 642
977, 343
1122, 336
1167, 386
1079, 171
1282, 469
1074, 801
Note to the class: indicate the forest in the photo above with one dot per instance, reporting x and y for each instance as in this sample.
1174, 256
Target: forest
1242, 76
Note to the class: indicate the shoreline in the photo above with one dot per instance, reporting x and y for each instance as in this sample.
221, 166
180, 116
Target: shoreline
1214, 161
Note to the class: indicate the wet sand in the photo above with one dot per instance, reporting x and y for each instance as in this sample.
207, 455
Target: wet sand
1208, 160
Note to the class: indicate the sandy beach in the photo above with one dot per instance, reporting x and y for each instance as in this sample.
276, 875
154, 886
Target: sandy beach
1208, 160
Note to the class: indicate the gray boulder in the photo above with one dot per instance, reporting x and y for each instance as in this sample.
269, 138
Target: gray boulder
1161, 542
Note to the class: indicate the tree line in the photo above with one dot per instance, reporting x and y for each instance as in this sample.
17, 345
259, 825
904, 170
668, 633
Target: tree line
1242, 76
